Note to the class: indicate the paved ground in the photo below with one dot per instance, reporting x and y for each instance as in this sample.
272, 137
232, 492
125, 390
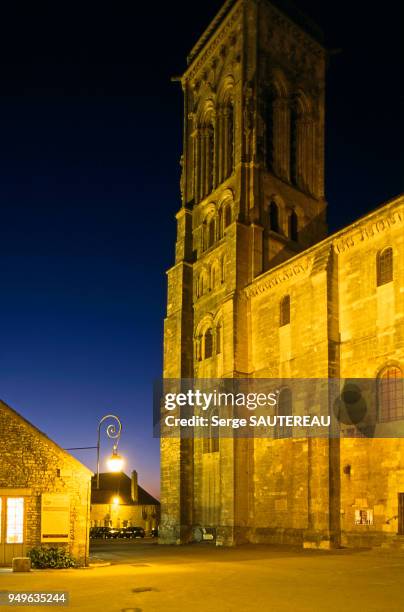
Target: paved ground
147, 577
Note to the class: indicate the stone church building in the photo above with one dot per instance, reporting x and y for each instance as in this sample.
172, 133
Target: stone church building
258, 290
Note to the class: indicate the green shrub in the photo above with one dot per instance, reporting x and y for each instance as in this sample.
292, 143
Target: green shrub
50, 557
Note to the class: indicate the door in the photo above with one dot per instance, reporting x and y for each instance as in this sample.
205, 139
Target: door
12, 529
401, 514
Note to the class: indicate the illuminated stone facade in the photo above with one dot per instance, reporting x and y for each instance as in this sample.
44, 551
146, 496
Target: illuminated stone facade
252, 232
121, 502
33, 466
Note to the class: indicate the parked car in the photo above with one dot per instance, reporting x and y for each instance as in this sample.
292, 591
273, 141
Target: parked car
132, 532
99, 532
113, 533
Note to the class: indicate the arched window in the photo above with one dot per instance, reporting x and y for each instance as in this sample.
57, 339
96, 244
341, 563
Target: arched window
211, 439
227, 215
390, 395
293, 226
284, 311
284, 408
273, 217
384, 265
211, 233
293, 163
269, 132
214, 434
218, 339
229, 139
208, 344
215, 275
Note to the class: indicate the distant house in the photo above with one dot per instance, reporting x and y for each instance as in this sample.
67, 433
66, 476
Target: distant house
44, 492
121, 502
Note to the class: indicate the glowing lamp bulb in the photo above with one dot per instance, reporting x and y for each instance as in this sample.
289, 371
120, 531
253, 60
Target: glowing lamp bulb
115, 501
115, 462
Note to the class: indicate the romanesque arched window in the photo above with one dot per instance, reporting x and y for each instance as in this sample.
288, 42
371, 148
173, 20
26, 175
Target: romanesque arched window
269, 132
384, 263
293, 226
293, 147
284, 311
211, 232
218, 339
227, 215
284, 408
228, 139
204, 153
208, 344
214, 434
273, 217
390, 394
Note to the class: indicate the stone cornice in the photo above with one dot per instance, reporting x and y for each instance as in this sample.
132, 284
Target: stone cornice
367, 227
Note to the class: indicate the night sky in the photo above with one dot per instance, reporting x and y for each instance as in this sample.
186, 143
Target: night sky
90, 143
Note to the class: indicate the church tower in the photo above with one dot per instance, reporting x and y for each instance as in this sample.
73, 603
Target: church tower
252, 190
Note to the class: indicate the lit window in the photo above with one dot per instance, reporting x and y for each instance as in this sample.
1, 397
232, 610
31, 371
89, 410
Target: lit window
385, 266
391, 395
15, 520
284, 314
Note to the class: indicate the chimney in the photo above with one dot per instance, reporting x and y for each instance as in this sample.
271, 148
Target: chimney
133, 487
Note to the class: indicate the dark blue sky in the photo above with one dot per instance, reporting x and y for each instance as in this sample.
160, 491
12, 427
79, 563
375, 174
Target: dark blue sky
89, 149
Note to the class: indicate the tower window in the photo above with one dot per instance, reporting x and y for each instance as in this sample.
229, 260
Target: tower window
208, 344
211, 233
284, 314
384, 264
391, 395
227, 216
273, 217
218, 339
269, 133
293, 226
293, 147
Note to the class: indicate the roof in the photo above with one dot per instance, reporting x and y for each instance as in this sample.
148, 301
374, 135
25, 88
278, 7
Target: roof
112, 485
6, 408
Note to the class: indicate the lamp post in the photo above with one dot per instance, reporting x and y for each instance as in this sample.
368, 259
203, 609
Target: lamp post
113, 431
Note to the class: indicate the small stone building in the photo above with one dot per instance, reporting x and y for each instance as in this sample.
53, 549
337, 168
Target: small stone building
121, 502
44, 492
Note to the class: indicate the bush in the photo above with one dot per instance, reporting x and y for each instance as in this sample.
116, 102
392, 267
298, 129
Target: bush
50, 557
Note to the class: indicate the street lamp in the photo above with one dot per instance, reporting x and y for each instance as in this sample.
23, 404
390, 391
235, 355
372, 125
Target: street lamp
113, 431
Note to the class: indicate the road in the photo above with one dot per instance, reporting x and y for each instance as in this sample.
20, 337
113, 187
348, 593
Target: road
146, 577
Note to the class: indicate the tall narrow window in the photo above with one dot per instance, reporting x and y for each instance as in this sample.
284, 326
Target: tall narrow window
385, 266
214, 434
293, 226
210, 158
391, 395
218, 339
293, 147
269, 133
227, 215
284, 409
230, 141
273, 217
15, 520
208, 344
211, 233
284, 315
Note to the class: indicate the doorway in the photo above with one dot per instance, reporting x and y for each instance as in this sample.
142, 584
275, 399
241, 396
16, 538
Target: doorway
12, 529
